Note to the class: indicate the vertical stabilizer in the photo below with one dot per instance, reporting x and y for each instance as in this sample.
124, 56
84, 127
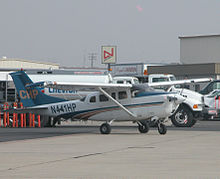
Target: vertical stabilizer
31, 96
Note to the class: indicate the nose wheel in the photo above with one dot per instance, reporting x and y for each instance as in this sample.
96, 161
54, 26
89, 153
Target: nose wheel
162, 129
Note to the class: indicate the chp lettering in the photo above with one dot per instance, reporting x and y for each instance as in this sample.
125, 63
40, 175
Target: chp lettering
28, 94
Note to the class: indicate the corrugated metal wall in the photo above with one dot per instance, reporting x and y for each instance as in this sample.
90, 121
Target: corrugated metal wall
200, 49
17, 63
186, 70
217, 68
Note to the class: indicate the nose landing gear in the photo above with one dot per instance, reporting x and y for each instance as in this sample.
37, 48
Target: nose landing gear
162, 129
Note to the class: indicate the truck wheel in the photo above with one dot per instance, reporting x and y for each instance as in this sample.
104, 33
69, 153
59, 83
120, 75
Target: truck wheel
183, 117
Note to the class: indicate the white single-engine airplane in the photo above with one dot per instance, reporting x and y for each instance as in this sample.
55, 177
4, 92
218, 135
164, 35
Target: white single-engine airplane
111, 102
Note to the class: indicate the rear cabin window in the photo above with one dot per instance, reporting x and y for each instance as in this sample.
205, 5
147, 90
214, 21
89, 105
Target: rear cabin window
102, 98
92, 99
122, 95
113, 95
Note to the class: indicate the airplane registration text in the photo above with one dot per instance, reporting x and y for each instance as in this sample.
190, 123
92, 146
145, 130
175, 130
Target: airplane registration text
63, 108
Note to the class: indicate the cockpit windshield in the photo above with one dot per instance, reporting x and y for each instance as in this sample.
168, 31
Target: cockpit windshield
136, 81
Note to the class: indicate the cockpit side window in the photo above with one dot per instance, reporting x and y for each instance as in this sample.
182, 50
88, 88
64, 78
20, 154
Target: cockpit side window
122, 95
92, 99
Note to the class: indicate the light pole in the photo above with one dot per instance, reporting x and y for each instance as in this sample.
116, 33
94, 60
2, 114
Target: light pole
92, 58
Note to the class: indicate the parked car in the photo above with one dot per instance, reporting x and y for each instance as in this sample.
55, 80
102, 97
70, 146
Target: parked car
211, 100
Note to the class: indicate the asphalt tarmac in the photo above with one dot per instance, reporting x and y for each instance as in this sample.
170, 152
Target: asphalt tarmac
78, 150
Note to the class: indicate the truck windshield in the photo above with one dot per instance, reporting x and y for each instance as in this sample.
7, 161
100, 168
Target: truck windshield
215, 85
172, 78
160, 79
136, 81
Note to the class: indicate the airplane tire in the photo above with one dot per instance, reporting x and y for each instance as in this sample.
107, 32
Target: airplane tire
183, 117
162, 129
105, 128
143, 127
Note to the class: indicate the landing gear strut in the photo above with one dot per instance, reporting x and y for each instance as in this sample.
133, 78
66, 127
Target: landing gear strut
56, 120
143, 127
105, 128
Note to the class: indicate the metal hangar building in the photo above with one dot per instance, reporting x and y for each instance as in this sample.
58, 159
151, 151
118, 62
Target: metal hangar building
199, 57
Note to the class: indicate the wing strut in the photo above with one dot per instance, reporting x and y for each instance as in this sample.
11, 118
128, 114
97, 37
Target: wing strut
116, 102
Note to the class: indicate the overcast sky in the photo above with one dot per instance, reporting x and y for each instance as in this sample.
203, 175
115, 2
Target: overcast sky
66, 31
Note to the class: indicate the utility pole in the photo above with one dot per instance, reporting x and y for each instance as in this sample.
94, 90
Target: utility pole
92, 58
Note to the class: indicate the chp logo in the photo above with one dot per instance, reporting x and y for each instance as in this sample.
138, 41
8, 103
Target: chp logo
108, 54
28, 94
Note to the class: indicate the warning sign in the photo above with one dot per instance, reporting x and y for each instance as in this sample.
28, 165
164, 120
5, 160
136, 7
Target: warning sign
108, 54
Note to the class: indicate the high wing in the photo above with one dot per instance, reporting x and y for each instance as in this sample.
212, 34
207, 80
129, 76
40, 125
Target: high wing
96, 86
178, 82
79, 86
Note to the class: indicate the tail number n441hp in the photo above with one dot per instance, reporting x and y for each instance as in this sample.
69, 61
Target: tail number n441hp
63, 108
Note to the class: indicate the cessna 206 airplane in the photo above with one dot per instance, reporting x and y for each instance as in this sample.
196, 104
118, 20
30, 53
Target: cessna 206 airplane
111, 102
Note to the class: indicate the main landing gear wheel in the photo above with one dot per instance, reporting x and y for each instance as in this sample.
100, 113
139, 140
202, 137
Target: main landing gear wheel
143, 127
105, 128
162, 129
